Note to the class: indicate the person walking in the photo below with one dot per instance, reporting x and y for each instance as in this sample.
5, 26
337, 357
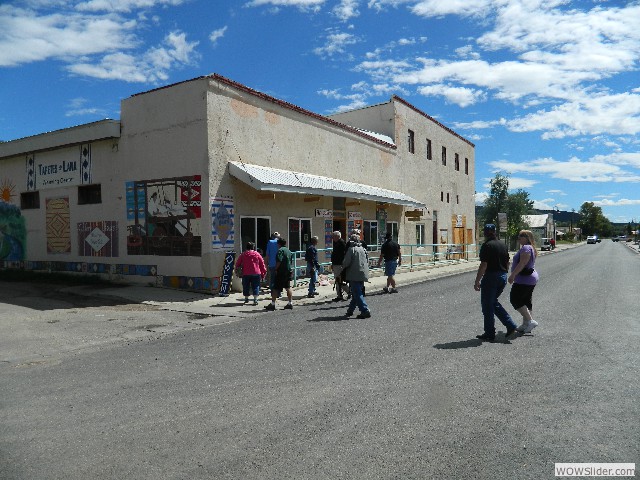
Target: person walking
390, 252
337, 256
311, 257
283, 275
270, 254
355, 269
490, 282
524, 279
251, 266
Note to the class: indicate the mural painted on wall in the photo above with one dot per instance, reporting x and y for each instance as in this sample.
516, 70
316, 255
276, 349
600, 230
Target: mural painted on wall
164, 216
98, 239
13, 233
58, 225
222, 223
7, 190
74, 169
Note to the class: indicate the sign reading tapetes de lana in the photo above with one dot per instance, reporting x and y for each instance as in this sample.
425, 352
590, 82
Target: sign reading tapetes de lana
57, 173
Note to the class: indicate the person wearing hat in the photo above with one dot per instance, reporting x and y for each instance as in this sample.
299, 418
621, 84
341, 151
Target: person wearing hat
355, 268
490, 282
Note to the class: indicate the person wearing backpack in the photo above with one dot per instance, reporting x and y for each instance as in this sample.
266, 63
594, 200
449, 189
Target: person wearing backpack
284, 274
311, 257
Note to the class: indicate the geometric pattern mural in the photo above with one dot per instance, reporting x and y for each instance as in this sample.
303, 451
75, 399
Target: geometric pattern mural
58, 225
98, 239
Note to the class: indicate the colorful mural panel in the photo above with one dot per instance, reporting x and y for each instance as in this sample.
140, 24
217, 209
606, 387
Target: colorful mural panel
13, 233
98, 239
164, 216
58, 225
222, 223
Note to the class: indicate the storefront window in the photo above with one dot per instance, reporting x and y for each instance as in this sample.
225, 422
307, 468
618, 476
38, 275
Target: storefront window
299, 234
256, 230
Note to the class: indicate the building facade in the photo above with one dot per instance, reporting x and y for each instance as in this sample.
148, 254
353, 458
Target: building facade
194, 170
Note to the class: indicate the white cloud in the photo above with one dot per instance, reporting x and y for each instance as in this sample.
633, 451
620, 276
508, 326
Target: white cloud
122, 5
459, 95
27, 37
152, 66
77, 108
574, 170
217, 34
346, 9
616, 203
305, 5
336, 43
516, 183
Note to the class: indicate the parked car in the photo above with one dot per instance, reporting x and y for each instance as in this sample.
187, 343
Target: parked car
546, 244
592, 239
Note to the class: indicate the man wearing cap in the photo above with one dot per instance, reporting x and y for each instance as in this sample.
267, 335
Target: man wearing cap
490, 282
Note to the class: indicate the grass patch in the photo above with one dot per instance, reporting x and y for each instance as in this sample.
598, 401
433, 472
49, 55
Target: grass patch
53, 277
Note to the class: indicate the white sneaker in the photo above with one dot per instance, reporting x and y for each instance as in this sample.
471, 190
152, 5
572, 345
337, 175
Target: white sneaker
532, 324
521, 328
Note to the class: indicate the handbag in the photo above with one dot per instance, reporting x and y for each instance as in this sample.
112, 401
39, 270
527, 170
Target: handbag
526, 271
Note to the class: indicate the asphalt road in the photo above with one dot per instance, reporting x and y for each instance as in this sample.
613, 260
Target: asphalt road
307, 394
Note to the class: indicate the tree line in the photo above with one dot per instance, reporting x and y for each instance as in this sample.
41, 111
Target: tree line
515, 204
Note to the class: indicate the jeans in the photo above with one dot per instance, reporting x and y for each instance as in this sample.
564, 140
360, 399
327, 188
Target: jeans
250, 283
357, 298
313, 277
491, 287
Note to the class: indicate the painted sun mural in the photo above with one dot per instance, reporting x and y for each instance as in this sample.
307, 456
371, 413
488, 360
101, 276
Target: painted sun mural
7, 189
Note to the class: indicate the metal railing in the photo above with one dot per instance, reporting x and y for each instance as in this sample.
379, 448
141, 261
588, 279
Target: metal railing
414, 256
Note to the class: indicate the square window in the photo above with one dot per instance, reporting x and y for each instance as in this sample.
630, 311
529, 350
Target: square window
89, 194
29, 200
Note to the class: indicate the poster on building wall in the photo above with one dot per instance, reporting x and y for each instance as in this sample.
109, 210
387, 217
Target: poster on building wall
58, 225
328, 237
98, 239
222, 223
324, 213
354, 215
444, 236
163, 216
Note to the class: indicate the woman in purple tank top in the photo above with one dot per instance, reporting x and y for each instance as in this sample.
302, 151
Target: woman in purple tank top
524, 278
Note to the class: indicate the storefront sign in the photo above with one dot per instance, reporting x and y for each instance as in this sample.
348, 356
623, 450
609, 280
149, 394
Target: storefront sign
227, 272
324, 213
355, 215
56, 173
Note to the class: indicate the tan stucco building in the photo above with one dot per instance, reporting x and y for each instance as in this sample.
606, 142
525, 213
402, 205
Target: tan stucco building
194, 170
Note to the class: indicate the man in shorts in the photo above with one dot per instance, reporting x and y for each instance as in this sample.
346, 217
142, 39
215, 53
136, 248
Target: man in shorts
390, 252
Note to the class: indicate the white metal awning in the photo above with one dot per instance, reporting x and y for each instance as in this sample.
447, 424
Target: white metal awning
276, 180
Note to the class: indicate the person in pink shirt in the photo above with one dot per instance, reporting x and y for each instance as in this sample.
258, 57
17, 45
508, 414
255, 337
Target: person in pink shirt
252, 269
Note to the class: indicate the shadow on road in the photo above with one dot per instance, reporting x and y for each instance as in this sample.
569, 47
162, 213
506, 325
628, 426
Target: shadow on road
474, 342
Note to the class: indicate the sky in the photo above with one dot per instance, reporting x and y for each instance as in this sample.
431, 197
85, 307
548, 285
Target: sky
547, 90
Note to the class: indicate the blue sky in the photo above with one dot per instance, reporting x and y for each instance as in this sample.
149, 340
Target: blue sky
548, 90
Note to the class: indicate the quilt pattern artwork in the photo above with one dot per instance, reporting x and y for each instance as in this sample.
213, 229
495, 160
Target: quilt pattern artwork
58, 225
98, 239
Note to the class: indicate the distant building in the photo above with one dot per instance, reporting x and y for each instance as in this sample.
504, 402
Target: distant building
196, 169
542, 226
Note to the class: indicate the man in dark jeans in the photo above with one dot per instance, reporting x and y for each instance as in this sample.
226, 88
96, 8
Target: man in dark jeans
390, 252
490, 282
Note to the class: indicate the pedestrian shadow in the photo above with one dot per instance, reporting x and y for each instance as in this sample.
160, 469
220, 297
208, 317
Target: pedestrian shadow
473, 342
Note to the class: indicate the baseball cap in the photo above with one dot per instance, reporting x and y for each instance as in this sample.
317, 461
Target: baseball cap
490, 227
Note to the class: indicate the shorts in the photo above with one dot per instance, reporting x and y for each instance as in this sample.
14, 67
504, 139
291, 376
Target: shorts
521, 295
390, 267
283, 281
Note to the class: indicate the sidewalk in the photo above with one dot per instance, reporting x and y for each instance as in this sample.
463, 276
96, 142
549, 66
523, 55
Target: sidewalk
233, 306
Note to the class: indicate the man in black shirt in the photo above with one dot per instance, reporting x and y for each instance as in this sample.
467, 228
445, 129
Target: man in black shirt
390, 251
490, 282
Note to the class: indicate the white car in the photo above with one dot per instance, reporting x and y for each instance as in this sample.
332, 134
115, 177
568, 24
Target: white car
592, 239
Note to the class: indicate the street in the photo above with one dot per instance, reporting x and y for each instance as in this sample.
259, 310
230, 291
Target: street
309, 394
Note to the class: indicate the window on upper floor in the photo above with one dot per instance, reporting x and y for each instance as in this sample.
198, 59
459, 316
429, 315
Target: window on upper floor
466, 166
88, 194
429, 154
29, 200
447, 198
444, 156
457, 162
442, 196
411, 142
458, 199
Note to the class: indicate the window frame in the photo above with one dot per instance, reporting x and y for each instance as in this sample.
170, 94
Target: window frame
30, 200
90, 194
421, 231
411, 141
255, 239
429, 150
456, 162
